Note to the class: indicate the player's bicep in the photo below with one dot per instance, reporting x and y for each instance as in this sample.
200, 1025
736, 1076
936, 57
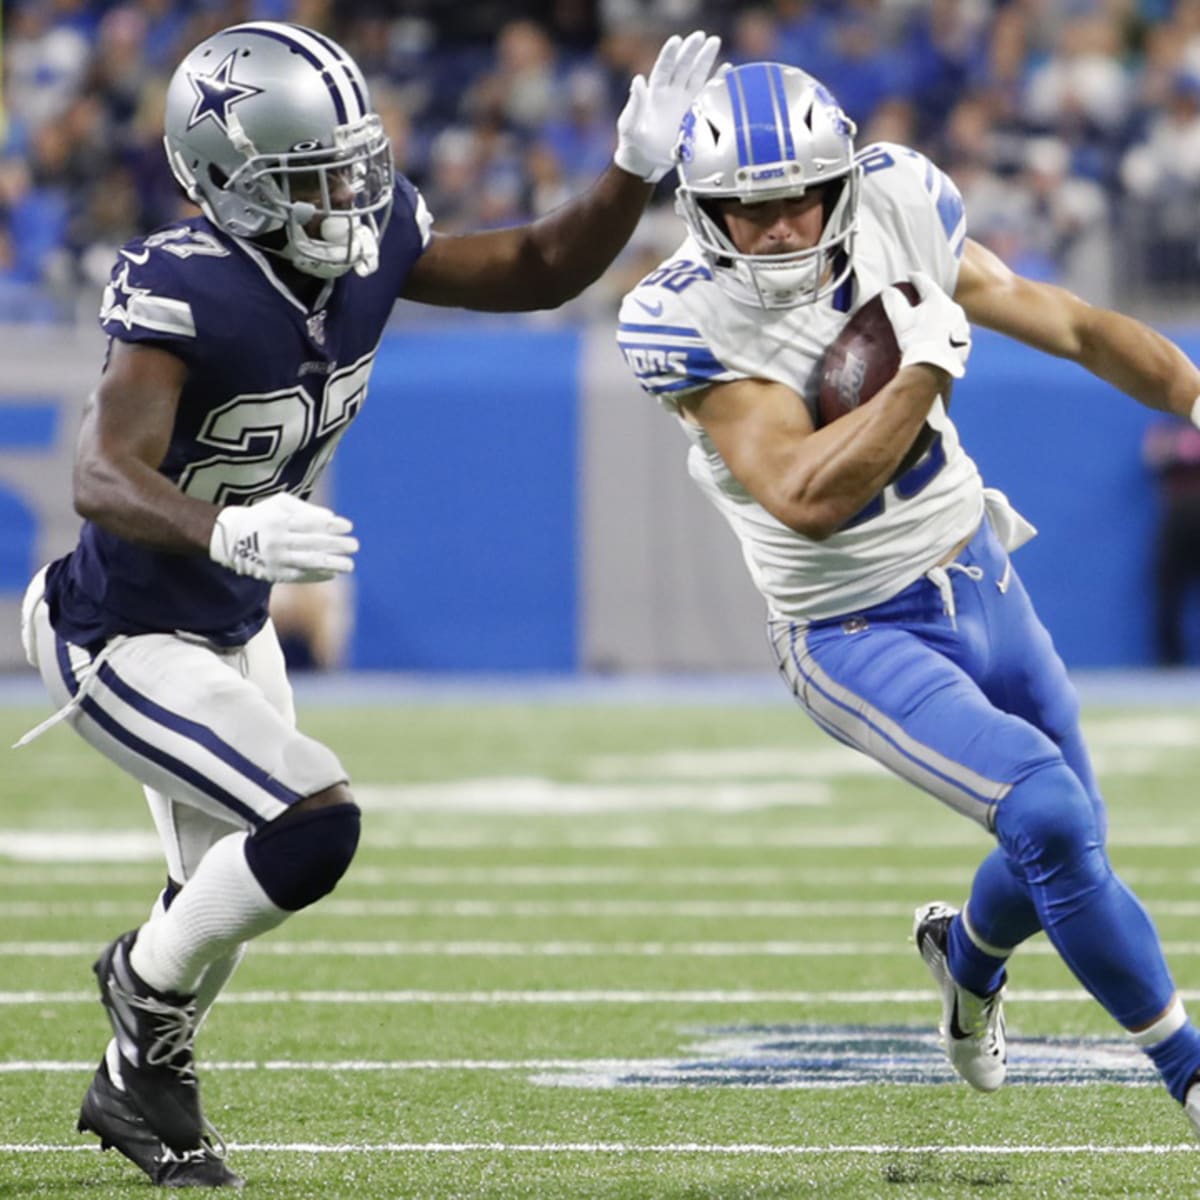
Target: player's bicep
1041, 315
132, 413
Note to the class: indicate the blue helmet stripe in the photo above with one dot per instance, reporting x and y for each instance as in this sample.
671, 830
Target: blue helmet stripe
347, 68
300, 48
759, 122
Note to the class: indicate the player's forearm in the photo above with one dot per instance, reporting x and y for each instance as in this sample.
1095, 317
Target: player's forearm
846, 464
1140, 362
571, 247
134, 501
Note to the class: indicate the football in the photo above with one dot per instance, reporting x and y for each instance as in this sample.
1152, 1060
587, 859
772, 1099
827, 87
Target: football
860, 361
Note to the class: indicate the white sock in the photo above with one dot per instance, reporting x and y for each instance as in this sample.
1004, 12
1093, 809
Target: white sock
1173, 1020
221, 906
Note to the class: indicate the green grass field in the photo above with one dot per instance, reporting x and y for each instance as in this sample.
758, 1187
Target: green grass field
600, 951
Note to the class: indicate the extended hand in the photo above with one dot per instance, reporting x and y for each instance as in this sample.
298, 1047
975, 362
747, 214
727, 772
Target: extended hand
648, 126
283, 539
934, 331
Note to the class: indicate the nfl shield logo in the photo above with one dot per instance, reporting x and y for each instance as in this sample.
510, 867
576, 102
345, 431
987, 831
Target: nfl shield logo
316, 327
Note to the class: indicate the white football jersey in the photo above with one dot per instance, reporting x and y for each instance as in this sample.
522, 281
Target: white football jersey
680, 332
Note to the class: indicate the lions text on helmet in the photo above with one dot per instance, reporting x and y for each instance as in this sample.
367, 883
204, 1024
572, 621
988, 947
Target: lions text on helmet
269, 130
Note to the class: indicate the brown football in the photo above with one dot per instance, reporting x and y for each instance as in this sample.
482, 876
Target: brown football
863, 358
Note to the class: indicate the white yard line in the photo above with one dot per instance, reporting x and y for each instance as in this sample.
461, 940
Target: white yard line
576, 908
748, 1149
564, 949
582, 996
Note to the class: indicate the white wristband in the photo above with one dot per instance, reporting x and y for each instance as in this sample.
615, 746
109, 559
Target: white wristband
1195, 414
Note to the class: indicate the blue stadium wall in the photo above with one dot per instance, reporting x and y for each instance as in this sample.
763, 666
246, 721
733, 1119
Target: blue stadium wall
463, 475
523, 507
460, 475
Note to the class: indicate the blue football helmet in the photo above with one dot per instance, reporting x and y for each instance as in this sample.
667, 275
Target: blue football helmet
766, 131
268, 126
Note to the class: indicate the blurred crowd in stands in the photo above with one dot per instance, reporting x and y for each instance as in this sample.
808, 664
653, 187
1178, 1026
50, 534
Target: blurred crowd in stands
1072, 127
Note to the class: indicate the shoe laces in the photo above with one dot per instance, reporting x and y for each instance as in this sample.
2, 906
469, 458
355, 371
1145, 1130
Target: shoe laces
174, 1027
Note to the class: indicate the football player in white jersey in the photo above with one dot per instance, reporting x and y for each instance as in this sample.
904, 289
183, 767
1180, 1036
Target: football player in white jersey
895, 614
240, 348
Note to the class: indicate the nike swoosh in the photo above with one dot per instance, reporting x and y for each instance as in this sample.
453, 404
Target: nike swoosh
141, 258
655, 310
959, 345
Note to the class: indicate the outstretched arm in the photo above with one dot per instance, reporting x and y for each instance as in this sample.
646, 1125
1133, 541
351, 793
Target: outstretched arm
547, 262
1116, 348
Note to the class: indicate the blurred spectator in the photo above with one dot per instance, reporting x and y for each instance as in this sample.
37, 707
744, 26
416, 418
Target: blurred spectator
313, 621
580, 134
497, 107
1082, 90
1162, 173
522, 89
45, 64
1068, 222
1171, 450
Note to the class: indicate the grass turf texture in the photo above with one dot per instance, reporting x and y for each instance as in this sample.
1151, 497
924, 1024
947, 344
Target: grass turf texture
780, 897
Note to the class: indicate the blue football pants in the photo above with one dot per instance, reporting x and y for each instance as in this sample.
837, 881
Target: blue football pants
954, 685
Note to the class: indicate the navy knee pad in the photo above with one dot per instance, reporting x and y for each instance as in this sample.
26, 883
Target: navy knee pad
300, 858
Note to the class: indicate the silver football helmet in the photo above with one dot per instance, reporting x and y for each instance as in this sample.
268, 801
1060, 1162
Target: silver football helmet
269, 126
766, 131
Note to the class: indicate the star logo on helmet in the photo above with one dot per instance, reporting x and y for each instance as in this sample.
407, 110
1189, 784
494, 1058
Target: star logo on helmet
216, 93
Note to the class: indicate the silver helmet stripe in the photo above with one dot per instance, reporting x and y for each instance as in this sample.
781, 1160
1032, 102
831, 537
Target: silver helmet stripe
348, 100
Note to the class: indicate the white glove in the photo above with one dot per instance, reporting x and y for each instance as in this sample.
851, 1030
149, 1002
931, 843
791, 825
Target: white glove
934, 331
648, 126
283, 539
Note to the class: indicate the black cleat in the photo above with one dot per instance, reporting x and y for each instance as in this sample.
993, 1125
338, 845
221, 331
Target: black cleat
109, 1113
154, 1032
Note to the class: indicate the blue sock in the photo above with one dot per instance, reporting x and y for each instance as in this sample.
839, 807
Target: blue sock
973, 968
1002, 916
1177, 1056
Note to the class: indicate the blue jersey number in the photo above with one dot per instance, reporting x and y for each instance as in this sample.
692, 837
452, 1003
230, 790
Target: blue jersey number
677, 275
915, 480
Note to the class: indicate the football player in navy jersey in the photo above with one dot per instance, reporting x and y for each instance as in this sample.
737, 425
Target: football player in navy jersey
896, 617
240, 348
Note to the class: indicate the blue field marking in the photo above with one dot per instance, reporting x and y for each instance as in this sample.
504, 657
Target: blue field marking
833, 1056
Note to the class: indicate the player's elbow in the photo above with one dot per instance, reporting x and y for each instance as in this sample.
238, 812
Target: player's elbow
92, 487
816, 521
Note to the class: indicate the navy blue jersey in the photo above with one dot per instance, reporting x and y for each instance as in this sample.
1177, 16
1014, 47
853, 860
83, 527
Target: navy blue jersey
271, 387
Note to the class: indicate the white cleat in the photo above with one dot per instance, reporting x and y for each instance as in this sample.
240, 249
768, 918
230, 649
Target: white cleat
1191, 1106
972, 1027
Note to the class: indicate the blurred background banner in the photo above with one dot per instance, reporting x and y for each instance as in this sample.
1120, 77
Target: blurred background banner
522, 506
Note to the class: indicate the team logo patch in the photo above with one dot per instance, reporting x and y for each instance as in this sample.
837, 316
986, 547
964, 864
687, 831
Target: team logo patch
829, 1056
316, 327
217, 93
